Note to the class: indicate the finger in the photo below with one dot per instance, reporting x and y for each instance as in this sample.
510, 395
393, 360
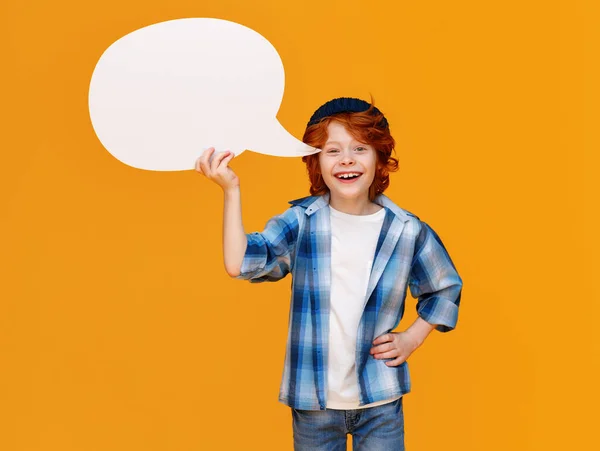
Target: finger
207, 153
388, 355
204, 160
225, 161
397, 361
217, 159
382, 339
197, 165
382, 348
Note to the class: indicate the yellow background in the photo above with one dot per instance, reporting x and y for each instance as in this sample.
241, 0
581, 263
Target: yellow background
119, 328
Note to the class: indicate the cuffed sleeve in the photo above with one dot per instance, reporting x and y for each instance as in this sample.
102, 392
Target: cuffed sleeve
269, 254
434, 281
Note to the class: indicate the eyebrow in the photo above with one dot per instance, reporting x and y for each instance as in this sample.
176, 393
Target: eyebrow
354, 141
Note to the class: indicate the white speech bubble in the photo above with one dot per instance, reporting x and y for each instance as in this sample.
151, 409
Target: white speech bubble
162, 94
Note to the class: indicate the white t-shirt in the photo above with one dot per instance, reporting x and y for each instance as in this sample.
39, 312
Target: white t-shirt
353, 244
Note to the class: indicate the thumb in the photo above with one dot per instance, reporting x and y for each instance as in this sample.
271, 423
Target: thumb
227, 159
224, 160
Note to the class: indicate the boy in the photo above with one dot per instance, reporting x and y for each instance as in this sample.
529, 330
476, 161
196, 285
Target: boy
352, 254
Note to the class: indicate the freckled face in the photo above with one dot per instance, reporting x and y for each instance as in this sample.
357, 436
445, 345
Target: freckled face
347, 165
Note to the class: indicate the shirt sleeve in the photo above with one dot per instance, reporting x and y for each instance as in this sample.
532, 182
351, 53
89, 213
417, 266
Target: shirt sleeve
269, 254
434, 281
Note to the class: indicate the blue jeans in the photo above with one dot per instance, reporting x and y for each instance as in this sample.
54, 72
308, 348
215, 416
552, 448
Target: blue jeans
379, 428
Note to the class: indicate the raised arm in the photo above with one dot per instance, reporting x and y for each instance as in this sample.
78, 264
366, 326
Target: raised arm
234, 238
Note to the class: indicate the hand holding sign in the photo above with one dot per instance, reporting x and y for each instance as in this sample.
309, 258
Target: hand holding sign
161, 94
215, 167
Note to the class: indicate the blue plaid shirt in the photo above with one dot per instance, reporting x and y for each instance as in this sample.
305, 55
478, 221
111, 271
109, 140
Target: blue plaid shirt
408, 254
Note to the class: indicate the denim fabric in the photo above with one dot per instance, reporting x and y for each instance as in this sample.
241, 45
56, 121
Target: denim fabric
379, 428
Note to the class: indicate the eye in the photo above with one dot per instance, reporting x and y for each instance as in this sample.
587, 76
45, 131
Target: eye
332, 151
361, 149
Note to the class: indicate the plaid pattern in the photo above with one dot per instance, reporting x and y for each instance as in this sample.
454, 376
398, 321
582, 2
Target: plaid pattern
409, 254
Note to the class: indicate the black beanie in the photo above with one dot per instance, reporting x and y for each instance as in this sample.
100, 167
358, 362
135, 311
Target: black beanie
344, 105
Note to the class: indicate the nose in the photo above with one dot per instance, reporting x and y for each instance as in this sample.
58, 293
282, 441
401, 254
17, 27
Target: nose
347, 159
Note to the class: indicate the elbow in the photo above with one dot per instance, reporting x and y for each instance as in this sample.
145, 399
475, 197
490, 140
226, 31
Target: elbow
233, 271
232, 267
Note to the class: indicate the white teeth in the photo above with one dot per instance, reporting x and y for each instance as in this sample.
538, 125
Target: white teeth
351, 174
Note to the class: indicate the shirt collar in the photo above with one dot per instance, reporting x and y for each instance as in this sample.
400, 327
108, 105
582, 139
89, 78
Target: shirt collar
314, 203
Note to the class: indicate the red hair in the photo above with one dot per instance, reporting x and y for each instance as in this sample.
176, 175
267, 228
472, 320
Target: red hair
365, 127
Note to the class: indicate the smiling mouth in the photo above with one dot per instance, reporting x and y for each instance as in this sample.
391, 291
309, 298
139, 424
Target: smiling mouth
348, 175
